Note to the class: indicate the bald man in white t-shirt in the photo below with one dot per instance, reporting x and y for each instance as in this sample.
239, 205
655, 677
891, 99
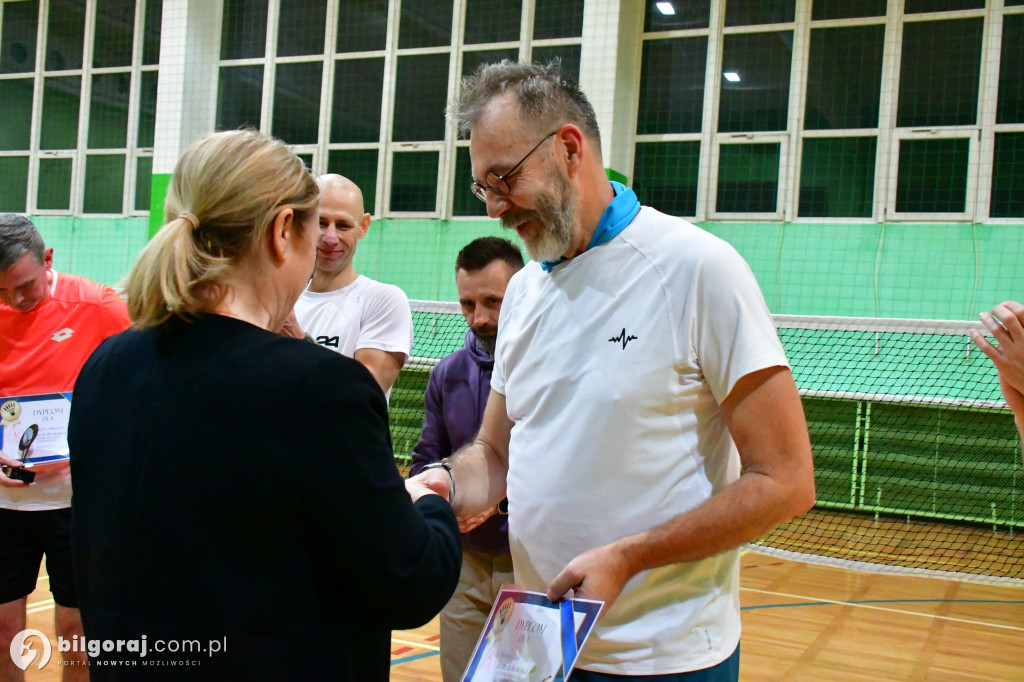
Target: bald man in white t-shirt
343, 310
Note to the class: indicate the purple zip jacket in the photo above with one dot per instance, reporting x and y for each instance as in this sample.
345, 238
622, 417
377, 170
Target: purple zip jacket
454, 407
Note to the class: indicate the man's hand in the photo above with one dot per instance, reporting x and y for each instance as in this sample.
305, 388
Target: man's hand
14, 464
598, 574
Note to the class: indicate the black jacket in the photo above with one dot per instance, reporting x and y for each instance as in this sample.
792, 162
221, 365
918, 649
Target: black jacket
234, 485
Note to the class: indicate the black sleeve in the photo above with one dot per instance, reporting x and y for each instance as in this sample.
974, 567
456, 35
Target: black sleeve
401, 561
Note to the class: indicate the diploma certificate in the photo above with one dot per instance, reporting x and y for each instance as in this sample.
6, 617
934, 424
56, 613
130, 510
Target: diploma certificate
44, 418
530, 639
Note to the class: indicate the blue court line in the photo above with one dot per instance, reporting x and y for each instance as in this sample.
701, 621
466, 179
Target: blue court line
886, 601
416, 657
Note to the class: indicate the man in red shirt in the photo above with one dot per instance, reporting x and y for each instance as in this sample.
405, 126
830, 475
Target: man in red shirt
50, 323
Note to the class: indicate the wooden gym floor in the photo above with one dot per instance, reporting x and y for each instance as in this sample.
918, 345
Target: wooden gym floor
802, 622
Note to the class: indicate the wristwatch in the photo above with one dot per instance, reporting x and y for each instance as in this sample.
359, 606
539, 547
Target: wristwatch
447, 466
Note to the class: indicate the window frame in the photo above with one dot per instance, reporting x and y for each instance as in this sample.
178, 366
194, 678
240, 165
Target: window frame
79, 155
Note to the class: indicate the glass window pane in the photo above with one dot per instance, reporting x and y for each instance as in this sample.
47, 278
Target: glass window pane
672, 86
362, 25
59, 123
471, 61
18, 40
921, 6
464, 202
301, 28
14, 171
686, 14
143, 182
104, 183
359, 166
844, 78
939, 73
425, 23
492, 21
147, 109
932, 176
16, 113
749, 12
355, 114
847, 9
1013, 3
108, 112
414, 181
1011, 71
115, 29
239, 97
244, 29
151, 37
665, 176
54, 193
1008, 176
759, 97
297, 102
837, 177
558, 19
65, 35
421, 87
748, 178
567, 55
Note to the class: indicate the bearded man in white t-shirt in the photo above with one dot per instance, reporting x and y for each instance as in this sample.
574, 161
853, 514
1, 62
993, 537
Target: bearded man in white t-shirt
642, 420
342, 310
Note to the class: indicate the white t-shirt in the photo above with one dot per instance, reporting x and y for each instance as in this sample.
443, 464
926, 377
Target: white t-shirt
364, 314
613, 367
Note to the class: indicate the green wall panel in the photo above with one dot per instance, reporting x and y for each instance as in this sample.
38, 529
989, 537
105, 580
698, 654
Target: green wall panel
419, 255
101, 249
941, 271
811, 282
927, 271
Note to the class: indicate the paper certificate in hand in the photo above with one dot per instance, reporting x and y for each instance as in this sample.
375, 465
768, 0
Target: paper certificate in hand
529, 639
34, 429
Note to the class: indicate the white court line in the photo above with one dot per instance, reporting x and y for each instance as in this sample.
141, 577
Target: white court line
37, 606
418, 645
886, 609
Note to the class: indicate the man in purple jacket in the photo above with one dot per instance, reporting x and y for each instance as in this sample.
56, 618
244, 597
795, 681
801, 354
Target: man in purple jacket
454, 402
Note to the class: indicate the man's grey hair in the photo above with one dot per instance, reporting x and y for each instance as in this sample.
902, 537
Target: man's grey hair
546, 98
18, 236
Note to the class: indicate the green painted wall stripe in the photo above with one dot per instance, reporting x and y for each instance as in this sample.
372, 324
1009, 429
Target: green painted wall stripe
615, 175
160, 183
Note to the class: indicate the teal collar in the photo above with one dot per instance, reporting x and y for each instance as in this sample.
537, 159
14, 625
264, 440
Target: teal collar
614, 220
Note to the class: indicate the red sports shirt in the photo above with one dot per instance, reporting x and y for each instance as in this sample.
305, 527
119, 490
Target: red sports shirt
43, 350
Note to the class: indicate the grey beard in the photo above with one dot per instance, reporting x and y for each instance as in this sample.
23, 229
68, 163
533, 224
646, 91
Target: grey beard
487, 343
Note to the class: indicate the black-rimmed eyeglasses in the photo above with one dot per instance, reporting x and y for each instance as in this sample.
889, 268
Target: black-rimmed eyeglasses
499, 183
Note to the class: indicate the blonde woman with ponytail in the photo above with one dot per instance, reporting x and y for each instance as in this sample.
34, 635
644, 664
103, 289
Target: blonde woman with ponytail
232, 485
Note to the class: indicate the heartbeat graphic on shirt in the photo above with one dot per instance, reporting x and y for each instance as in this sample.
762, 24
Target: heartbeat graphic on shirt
622, 338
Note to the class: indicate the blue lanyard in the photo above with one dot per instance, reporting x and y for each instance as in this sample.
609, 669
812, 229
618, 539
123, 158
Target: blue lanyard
614, 220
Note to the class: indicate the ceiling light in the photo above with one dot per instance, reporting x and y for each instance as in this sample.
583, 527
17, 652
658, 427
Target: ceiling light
665, 8
732, 76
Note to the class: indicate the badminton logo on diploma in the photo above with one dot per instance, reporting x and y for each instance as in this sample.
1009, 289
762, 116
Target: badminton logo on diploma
530, 639
34, 429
